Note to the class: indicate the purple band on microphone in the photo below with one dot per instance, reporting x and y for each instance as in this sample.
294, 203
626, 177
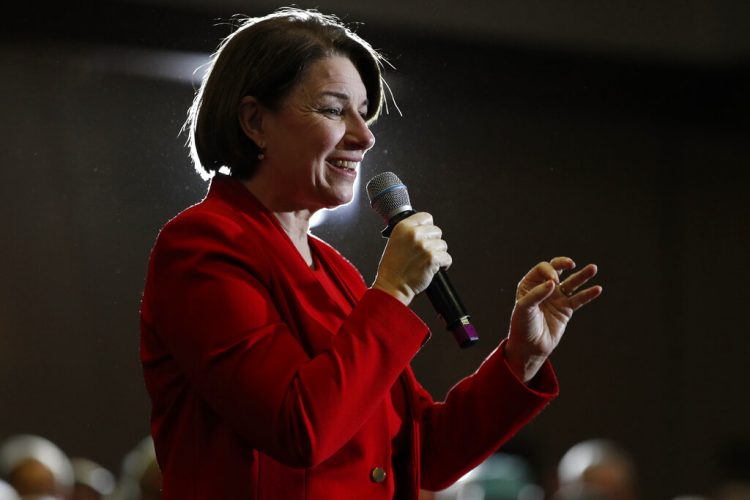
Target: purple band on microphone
465, 334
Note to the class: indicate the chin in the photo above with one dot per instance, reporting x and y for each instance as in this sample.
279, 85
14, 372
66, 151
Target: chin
339, 197
339, 200
341, 203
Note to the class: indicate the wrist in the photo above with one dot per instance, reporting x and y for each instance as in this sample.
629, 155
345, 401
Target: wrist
524, 365
403, 296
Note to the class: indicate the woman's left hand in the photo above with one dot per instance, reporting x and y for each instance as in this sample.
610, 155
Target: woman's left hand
544, 305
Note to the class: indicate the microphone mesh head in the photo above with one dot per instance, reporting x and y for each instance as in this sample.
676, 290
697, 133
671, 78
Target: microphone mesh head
388, 195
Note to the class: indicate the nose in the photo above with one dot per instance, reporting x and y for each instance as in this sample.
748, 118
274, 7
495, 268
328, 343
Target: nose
358, 134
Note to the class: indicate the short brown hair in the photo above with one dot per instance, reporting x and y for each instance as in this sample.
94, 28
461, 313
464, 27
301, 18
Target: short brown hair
265, 57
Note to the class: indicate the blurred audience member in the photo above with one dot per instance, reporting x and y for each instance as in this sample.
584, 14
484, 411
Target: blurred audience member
596, 469
7, 492
140, 478
501, 477
92, 481
733, 490
734, 462
35, 467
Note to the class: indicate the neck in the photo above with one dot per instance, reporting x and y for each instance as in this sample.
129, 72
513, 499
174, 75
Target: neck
296, 223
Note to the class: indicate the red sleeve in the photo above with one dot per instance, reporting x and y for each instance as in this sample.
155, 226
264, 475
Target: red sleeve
212, 313
479, 414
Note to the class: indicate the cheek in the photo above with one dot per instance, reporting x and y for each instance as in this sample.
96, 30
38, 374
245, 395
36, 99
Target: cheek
311, 142
325, 136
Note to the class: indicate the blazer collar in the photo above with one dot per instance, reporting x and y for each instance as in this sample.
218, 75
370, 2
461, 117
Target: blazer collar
228, 190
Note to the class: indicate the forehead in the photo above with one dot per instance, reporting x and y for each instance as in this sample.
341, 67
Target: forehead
334, 73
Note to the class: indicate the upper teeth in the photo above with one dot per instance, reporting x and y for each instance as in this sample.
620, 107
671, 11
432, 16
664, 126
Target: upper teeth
345, 163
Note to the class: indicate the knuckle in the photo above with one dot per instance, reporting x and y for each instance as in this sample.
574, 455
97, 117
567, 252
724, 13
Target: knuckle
398, 230
413, 236
405, 231
431, 260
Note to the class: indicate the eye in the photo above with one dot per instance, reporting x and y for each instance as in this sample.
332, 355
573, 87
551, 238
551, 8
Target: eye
332, 111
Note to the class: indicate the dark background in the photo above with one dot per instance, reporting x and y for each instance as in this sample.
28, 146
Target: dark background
613, 132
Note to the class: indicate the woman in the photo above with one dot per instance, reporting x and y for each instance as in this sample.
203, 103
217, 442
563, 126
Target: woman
274, 371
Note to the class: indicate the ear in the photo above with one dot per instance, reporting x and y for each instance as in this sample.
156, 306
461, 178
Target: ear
250, 115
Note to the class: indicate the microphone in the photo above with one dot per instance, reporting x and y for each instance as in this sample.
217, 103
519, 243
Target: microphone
389, 198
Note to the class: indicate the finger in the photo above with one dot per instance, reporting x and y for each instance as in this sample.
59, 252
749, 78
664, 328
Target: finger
576, 280
543, 271
434, 244
583, 297
536, 295
434, 247
437, 260
438, 253
444, 260
416, 229
428, 232
561, 264
418, 219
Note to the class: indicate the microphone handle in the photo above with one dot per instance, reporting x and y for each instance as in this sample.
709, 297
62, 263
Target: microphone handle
443, 297
451, 310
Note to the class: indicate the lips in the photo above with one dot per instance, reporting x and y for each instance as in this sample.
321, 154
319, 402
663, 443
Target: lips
345, 164
347, 168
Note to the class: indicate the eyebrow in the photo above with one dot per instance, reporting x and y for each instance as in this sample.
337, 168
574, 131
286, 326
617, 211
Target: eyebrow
342, 96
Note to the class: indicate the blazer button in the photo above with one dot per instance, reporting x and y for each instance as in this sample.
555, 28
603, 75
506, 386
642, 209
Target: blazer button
377, 475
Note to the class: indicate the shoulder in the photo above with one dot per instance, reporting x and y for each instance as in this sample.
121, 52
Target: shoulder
228, 211
198, 223
210, 227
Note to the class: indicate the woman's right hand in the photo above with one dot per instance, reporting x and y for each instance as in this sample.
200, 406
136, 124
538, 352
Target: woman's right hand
412, 256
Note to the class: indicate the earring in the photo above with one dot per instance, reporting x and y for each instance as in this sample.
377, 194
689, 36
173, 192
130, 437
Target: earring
261, 154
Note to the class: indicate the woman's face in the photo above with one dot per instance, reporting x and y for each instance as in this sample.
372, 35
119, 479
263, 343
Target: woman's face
315, 142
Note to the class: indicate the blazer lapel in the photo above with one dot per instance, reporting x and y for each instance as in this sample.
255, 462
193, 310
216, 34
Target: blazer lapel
304, 305
344, 273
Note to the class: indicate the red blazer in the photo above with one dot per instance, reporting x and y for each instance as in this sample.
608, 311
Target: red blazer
263, 388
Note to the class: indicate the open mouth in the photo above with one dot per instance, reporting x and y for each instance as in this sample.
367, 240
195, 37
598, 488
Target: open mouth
349, 167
